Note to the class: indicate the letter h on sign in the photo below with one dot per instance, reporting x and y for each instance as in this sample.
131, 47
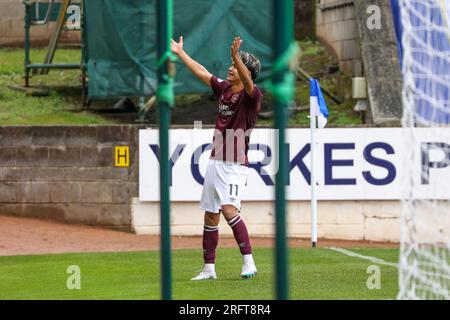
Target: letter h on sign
122, 156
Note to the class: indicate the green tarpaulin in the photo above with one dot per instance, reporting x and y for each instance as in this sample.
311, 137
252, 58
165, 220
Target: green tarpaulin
121, 41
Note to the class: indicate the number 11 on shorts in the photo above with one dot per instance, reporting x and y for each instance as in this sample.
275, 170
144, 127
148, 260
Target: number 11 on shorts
231, 189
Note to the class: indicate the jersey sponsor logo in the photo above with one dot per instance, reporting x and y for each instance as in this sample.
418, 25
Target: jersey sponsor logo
225, 110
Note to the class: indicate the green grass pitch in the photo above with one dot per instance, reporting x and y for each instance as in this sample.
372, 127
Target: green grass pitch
314, 274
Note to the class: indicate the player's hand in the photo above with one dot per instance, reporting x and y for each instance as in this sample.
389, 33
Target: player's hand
235, 47
177, 47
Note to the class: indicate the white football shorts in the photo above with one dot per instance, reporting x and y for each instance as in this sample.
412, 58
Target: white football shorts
224, 184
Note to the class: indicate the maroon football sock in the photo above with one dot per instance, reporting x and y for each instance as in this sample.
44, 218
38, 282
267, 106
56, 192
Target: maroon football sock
240, 234
210, 241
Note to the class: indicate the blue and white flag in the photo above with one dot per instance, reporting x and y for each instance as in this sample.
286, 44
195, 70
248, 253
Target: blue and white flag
318, 105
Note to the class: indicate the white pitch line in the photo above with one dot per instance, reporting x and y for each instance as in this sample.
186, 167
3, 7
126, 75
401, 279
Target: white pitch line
357, 255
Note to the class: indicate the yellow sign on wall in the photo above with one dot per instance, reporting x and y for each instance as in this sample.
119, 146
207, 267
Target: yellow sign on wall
122, 156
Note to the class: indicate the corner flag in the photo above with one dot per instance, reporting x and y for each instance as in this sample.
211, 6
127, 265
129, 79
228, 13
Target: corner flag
318, 105
318, 108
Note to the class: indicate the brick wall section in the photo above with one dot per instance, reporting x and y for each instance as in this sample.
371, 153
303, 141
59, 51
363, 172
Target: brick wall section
12, 14
68, 174
336, 26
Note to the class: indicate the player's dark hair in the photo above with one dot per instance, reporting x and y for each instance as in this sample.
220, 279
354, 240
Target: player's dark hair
251, 62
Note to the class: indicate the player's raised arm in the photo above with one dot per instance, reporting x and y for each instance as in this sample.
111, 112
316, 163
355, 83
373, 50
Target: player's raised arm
196, 68
244, 73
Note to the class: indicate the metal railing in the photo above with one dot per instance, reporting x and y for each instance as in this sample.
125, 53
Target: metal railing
38, 13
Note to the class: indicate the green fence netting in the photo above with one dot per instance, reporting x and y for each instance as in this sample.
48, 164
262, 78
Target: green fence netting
121, 42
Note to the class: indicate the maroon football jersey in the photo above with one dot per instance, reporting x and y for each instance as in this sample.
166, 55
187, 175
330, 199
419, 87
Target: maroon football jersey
237, 115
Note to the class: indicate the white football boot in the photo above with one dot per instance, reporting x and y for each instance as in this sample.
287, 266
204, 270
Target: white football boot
248, 267
208, 273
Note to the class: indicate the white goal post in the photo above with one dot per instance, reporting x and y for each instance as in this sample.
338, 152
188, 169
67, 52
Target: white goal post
424, 269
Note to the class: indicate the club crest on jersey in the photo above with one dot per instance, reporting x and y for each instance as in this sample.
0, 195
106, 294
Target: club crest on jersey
234, 98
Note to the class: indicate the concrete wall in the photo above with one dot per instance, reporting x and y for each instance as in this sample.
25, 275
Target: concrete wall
350, 220
346, 220
381, 64
12, 27
68, 174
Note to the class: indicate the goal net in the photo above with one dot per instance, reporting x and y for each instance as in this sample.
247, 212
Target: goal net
424, 268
